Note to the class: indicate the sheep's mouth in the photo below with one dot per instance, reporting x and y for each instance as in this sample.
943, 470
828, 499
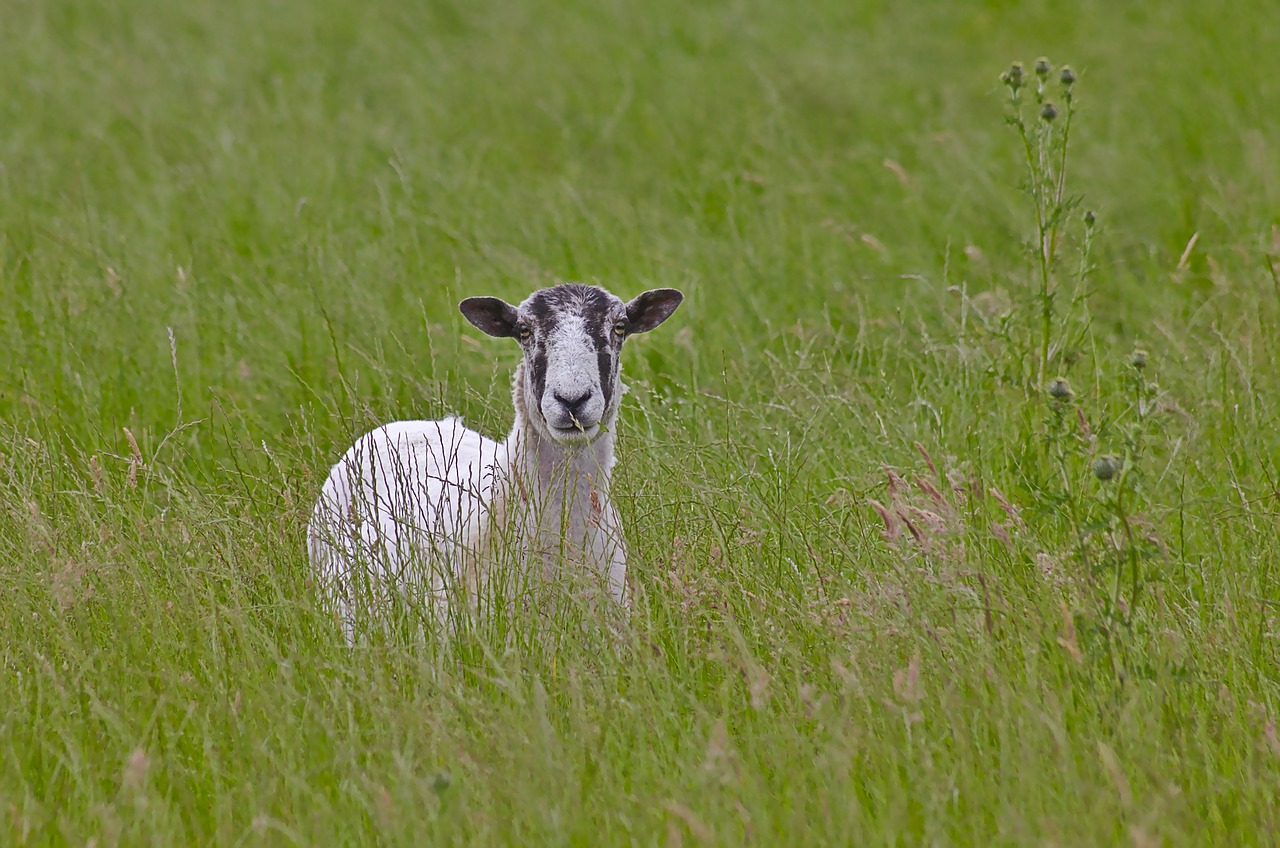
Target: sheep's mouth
574, 432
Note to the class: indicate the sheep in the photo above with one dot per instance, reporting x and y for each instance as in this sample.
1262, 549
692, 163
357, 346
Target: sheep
420, 511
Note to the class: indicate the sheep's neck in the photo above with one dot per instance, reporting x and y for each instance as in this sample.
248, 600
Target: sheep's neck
565, 489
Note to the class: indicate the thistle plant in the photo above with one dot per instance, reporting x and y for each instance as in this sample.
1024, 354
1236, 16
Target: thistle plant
1132, 546
1112, 538
1093, 480
1041, 110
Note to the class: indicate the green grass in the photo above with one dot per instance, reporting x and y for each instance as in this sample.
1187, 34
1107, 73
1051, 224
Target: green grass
240, 229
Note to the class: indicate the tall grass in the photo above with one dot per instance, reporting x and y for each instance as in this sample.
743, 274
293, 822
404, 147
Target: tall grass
924, 551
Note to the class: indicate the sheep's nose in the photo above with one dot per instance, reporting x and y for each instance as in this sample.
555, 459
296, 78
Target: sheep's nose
574, 405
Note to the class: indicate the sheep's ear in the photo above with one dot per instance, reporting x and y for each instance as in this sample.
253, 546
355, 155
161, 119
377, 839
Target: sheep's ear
491, 315
650, 309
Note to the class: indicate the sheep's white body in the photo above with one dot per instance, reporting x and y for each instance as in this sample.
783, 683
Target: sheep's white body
405, 508
423, 510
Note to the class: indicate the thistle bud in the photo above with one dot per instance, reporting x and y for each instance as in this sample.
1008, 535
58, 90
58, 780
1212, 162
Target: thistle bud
1067, 77
1106, 467
1049, 112
1043, 67
1090, 218
1059, 389
1138, 359
1013, 76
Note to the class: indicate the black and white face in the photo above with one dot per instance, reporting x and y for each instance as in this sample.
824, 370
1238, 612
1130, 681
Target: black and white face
572, 338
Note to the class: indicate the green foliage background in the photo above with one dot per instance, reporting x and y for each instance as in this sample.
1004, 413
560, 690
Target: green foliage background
239, 231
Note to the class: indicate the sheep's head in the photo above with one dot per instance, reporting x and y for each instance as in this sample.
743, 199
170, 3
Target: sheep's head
572, 337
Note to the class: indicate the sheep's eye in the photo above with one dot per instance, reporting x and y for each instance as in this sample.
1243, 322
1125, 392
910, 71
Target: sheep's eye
620, 328
524, 333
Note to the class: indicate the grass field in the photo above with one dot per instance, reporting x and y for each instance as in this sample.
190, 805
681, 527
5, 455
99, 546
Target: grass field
883, 595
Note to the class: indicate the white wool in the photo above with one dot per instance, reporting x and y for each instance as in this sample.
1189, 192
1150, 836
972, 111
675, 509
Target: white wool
418, 507
403, 509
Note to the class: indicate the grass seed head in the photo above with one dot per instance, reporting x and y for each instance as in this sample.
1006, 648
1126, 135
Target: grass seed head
135, 769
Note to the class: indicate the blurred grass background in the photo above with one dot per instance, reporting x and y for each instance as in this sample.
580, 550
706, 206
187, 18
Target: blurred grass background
240, 230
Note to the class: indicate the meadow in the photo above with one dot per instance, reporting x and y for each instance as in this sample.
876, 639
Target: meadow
938, 537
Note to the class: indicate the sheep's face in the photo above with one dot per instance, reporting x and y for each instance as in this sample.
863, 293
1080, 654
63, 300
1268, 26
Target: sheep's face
572, 337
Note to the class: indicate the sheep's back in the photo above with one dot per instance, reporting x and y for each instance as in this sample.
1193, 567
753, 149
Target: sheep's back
405, 503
